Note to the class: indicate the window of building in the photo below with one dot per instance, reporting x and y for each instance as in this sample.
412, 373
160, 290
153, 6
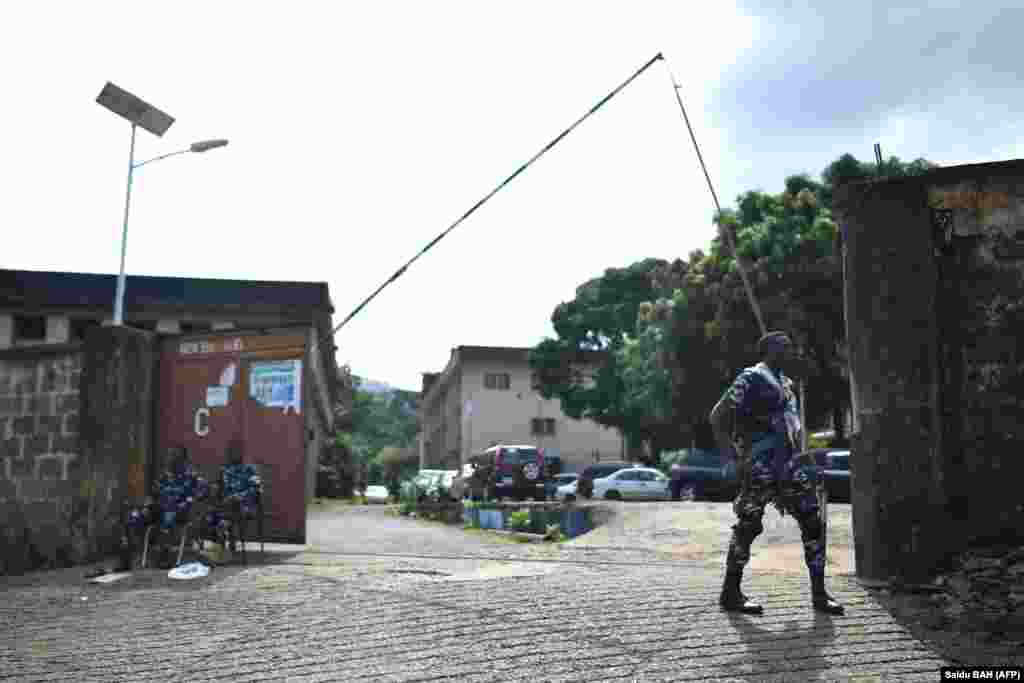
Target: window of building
29, 328
496, 380
78, 328
542, 426
195, 327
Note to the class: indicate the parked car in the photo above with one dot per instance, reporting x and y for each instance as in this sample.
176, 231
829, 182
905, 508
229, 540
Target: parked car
837, 476
834, 465
552, 462
566, 492
634, 483
461, 486
432, 482
516, 471
562, 481
585, 484
377, 494
565, 478
704, 473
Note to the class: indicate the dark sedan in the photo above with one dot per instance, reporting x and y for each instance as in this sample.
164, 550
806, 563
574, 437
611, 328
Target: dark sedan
703, 474
834, 463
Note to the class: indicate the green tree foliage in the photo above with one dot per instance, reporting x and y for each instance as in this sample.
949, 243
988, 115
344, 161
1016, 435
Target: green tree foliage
789, 239
581, 365
382, 433
698, 329
661, 339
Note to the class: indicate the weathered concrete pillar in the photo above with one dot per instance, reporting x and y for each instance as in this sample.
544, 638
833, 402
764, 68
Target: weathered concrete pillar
6, 331
890, 291
116, 425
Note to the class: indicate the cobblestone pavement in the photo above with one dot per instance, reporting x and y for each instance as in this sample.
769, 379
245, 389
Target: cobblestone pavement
620, 612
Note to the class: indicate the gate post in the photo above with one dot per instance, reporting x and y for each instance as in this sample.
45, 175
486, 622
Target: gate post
115, 426
890, 313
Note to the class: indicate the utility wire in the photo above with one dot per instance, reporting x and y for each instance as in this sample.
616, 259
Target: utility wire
493, 192
721, 227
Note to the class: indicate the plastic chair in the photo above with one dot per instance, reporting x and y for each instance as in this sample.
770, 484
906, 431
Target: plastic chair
240, 521
185, 529
232, 511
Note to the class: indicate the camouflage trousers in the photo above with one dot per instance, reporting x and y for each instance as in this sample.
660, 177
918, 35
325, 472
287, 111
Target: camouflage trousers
799, 499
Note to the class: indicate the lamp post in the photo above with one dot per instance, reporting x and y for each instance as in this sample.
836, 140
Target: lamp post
140, 113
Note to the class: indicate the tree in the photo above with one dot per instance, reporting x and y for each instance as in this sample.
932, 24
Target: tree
698, 328
790, 240
581, 367
374, 423
396, 464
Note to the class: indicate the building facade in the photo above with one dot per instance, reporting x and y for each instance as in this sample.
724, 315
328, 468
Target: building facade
485, 396
87, 410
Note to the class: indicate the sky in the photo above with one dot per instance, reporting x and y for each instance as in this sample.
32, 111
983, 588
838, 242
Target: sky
360, 131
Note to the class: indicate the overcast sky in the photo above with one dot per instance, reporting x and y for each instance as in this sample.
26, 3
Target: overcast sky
359, 131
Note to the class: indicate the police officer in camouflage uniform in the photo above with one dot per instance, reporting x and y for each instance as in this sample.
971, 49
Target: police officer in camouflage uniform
760, 412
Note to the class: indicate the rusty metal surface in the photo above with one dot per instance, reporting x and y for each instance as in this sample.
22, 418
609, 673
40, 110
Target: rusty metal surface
206, 403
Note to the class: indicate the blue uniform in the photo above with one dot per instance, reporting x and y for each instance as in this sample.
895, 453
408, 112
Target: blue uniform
241, 487
768, 433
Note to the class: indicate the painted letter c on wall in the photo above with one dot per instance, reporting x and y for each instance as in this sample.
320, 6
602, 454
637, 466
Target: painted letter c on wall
202, 421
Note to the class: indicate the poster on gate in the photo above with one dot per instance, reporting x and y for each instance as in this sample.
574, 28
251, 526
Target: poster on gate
277, 384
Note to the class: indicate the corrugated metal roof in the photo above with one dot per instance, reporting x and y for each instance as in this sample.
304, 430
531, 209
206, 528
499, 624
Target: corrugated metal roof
42, 288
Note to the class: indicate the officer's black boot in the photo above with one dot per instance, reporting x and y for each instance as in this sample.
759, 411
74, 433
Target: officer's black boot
821, 600
732, 599
124, 559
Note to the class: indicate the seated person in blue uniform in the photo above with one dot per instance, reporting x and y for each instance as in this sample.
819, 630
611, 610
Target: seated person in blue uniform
239, 492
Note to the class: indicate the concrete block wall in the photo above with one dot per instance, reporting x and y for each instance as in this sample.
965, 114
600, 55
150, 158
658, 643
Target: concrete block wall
983, 267
40, 459
75, 444
937, 354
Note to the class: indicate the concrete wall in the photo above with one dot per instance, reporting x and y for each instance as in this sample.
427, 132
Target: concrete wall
40, 457
506, 416
117, 428
935, 332
75, 423
318, 410
982, 344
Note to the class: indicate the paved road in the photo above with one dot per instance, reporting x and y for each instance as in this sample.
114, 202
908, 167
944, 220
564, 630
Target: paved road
613, 606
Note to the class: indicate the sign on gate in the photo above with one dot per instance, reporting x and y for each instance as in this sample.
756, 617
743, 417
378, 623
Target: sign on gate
277, 384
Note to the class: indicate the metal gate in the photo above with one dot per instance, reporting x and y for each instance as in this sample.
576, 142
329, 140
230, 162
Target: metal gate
244, 388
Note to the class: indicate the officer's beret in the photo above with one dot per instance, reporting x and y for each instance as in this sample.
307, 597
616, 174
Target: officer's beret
773, 341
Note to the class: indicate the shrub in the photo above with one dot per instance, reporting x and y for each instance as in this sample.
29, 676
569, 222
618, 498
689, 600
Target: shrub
519, 520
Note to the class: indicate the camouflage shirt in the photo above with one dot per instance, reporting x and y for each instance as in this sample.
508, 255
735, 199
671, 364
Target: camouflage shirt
241, 481
767, 422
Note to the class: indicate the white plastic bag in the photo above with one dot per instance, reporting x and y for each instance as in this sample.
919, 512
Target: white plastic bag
189, 570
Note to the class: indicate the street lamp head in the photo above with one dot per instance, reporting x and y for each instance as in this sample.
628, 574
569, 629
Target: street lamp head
207, 145
137, 111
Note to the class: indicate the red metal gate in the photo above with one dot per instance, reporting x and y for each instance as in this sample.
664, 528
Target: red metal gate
244, 388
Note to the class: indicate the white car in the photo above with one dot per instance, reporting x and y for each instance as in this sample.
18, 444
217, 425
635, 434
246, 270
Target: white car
377, 494
638, 483
427, 481
565, 485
